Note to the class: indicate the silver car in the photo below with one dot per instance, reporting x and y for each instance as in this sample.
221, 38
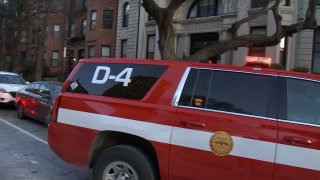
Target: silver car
10, 83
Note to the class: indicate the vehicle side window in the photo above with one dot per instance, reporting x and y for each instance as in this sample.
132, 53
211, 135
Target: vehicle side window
302, 101
129, 81
44, 90
33, 88
234, 92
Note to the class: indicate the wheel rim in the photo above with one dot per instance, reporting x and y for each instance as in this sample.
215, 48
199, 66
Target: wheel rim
119, 170
20, 110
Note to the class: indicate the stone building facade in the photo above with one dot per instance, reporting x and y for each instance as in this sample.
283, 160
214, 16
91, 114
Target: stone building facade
198, 23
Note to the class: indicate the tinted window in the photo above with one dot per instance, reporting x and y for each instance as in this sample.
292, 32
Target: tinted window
55, 89
302, 101
130, 81
231, 92
33, 88
44, 90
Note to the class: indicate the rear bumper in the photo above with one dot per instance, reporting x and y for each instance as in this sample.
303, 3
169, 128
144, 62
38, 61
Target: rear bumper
7, 97
72, 144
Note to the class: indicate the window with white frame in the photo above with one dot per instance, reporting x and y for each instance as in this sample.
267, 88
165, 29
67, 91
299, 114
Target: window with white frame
93, 20
205, 8
55, 58
107, 19
83, 27
73, 30
56, 30
105, 51
125, 17
91, 51
316, 52
151, 42
23, 36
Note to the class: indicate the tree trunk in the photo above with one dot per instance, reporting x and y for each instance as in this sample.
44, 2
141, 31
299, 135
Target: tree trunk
166, 42
42, 35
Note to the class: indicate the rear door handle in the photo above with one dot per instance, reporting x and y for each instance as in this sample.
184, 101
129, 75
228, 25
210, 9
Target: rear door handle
297, 140
194, 124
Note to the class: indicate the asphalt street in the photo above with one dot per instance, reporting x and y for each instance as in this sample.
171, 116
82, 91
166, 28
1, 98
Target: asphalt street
25, 154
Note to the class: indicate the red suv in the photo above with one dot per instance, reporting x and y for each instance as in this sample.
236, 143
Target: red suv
143, 119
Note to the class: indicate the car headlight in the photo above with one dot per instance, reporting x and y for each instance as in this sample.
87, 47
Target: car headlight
2, 90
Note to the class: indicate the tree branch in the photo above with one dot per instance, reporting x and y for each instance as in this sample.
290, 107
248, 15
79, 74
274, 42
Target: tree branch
235, 26
256, 40
153, 10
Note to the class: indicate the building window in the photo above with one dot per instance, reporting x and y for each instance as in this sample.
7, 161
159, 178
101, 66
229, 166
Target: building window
126, 8
93, 19
287, 3
84, 3
45, 58
8, 59
283, 51
205, 8
258, 3
316, 52
124, 48
83, 27
73, 30
151, 42
55, 59
258, 51
56, 31
199, 41
81, 54
23, 37
105, 51
107, 19
91, 51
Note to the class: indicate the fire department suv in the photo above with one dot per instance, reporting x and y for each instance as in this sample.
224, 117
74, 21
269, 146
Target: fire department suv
140, 119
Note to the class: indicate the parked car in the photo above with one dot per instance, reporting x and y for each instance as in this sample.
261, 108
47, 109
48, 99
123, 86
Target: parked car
10, 83
37, 99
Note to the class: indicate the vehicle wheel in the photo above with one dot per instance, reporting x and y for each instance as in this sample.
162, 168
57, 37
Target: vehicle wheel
123, 162
20, 111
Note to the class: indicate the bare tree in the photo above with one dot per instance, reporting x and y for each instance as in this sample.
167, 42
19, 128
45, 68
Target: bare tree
164, 19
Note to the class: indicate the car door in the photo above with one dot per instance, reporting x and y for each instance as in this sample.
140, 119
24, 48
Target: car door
298, 149
225, 126
30, 99
44, 102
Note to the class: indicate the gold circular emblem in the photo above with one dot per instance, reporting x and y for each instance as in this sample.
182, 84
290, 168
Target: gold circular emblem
221, 143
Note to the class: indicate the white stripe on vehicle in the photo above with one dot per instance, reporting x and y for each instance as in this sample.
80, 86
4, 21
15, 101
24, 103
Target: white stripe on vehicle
243, 147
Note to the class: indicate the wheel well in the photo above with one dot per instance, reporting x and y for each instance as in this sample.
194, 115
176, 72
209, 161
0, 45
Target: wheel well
107, 139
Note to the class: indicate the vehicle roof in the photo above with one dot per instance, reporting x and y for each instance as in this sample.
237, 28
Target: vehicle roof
203, 65
9, 73
49, 82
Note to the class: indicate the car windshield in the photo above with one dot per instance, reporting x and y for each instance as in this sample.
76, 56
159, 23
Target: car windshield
56, 88
11, 79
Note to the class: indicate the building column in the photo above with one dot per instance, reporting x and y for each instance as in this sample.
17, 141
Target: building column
239, 55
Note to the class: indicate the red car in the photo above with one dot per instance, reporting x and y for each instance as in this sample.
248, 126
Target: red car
37, 100
142, 119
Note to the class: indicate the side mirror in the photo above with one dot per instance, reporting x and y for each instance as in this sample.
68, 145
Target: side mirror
27, 82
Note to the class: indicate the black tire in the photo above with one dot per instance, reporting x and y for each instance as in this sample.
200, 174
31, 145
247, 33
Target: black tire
141, 164
20, 111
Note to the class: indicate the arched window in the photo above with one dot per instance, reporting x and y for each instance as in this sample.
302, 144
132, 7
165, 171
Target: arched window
126, 8
204, 8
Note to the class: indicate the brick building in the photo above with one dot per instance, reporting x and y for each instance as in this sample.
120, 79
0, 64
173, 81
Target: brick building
79, 29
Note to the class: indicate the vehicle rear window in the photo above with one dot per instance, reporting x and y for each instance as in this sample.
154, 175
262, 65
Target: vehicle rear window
234, 92
129, 81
